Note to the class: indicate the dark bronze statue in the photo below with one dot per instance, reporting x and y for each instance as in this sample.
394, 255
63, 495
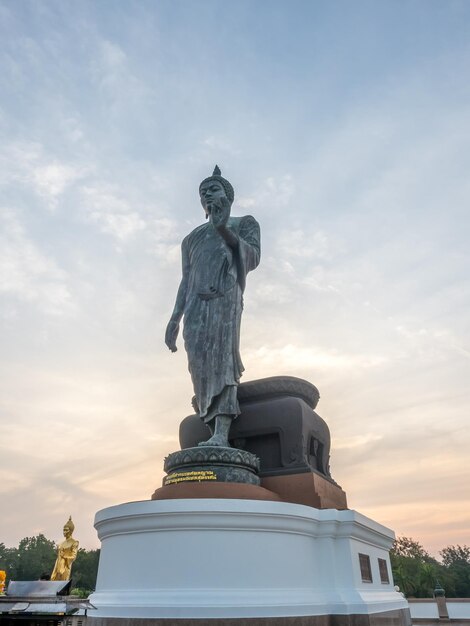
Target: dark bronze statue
216, 259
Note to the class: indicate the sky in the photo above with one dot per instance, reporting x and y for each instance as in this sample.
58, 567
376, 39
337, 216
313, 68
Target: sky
344, 128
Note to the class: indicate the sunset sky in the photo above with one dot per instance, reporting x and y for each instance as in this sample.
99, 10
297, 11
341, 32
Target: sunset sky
344, 128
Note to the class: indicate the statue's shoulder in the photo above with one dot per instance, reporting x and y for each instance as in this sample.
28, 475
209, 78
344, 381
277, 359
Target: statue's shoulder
195, 233
244, 222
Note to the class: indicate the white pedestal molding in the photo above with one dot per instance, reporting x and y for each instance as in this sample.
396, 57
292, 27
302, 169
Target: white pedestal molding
238, 559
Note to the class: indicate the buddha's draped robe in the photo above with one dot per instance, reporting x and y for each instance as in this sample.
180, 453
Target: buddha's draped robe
66, 555
216, 276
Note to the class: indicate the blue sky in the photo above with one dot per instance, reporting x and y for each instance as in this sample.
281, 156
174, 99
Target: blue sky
344, 128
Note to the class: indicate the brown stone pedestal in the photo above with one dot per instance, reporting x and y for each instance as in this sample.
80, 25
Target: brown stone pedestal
307, 488
239, 491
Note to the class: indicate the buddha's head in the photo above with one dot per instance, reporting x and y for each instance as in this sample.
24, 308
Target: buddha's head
69, 527
214, 188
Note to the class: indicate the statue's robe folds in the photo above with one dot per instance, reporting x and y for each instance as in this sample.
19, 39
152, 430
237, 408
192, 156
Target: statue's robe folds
66, 555
216, 276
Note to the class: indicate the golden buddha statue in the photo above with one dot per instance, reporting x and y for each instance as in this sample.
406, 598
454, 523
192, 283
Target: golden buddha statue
66, 554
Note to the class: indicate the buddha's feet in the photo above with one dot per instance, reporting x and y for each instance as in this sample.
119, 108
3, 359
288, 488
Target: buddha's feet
216, 440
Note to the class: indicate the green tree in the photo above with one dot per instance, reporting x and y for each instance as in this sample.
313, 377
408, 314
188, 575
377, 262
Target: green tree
456, 560
414, 570
404, 574
8, 560
408, 547
85, 569
35, 555
428, 575
80, 592
455, 554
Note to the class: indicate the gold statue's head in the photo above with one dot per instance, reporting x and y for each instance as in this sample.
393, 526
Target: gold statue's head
212, 188
69, 527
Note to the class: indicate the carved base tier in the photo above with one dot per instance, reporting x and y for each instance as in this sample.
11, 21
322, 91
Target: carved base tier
211, 463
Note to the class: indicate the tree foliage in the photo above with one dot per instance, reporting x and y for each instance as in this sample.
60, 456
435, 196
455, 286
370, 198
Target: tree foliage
455, 555
409, 548
416, 572
85, 568
457, 561
36, 556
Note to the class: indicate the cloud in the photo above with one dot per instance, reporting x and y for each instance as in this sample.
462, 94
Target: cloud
433, 341
297, 358
28, 274
356, 164
220, 145
356, 441
116, 78
275, 192
29, 164
127, 403
297, 242
51, 180
72, 128
105, 206
164, 237
110, 65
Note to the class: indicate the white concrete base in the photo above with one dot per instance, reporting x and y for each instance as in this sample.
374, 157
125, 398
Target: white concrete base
238, 558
